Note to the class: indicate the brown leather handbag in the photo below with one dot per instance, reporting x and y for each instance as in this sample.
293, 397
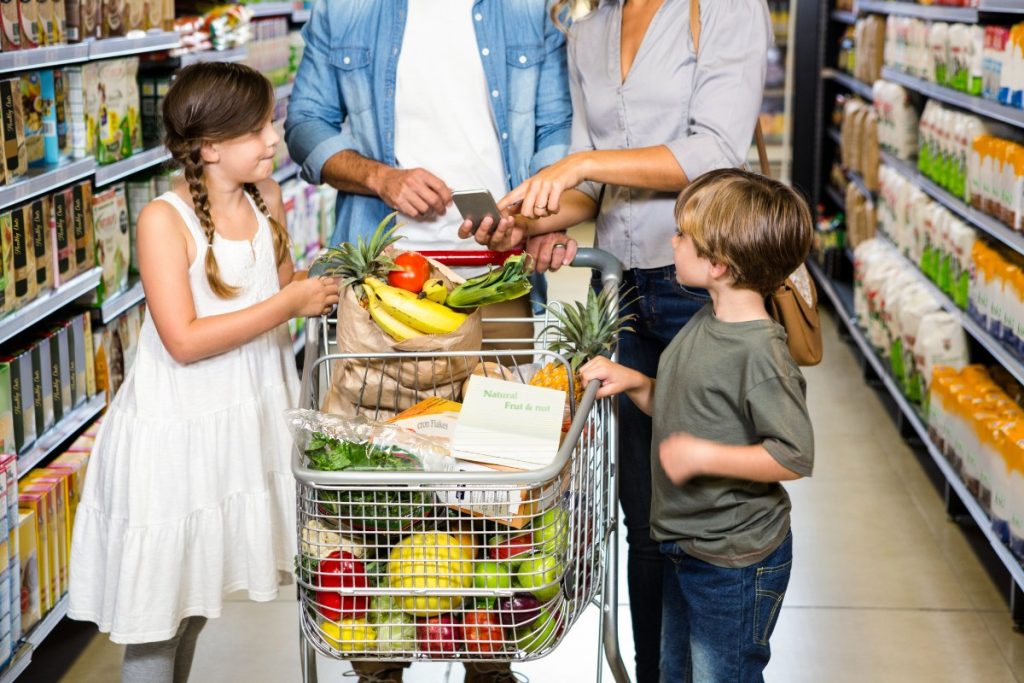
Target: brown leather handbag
794, 305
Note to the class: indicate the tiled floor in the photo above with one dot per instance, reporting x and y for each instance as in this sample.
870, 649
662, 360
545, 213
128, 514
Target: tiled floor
884, 588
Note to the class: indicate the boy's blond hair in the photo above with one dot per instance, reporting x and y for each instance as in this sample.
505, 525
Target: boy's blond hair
758, 228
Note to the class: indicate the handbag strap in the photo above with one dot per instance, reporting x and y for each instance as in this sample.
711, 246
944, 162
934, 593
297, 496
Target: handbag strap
762, 152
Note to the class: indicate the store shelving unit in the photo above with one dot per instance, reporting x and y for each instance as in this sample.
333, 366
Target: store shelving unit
235, 54
271, 9
151, 41
119, 303
71, 424
844, 17
48, 303
813, 158
138, 161
45, 179
23, 654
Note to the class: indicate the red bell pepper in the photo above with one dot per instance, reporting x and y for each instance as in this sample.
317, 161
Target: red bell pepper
341, 569
482, 632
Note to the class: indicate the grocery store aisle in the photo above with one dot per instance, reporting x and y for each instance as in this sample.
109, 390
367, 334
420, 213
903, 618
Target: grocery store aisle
884, 587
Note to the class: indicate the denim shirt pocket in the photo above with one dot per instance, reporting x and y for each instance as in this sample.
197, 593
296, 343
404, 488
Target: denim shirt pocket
353, 74
524, 62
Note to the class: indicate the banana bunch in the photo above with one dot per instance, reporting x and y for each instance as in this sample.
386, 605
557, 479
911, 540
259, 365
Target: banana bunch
404, 315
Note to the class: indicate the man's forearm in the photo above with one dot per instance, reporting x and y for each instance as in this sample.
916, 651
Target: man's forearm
350, 171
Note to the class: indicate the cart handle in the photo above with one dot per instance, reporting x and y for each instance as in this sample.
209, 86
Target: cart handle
470, 258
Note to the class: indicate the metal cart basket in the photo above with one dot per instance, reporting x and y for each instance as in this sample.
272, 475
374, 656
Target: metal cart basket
471, 564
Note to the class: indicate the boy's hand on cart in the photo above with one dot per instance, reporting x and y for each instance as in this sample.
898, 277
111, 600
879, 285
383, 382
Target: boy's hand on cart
681, 457
615, 379
312, 296
551, 251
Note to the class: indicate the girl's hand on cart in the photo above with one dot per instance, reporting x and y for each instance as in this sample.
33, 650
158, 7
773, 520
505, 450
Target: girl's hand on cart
551, 251
312, 296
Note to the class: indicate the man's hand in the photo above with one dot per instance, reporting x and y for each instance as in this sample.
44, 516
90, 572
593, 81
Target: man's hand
509, 234
682, 456
551, 251
415, 192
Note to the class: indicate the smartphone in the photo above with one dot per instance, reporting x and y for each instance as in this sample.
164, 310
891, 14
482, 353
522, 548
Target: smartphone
475, 205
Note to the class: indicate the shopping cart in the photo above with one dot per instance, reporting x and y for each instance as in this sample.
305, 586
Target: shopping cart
456, 565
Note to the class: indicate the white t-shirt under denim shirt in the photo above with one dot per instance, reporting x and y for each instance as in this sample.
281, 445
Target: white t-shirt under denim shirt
703, 110
443, 118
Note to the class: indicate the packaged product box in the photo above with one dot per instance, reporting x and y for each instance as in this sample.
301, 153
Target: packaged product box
153, 90
10, 35
13, 129
47, 19
60, 368
8, 443
112, 108
19, 371
74, 475
128, 330
76, 112
135, 14
39, 214
76, 359
153, 14
72, 21
42, 385
114, 14
62, 211
32, 585
9, 463
36, 502
31, 23
90, 358
60, 22
140, 193
90, 21
113, 244
62, 112
84, 233
6, 263
109, 361
36, 109
55, 521
4, 519
23, 256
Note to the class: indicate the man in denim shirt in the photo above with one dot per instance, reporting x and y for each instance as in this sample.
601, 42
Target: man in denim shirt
399, 102
371, 67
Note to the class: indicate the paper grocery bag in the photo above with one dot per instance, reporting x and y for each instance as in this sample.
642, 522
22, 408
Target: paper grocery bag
383, 386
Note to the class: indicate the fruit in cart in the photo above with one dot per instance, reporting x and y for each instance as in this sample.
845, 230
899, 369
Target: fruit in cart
423, 315
352, 262
511, 281
491, 575
551, 531
429, 560
341, 569
350, 635
483, 633
492, 370
439, 636
396, 630
319, 541
392, 326
411, 271
583, 331
518, 610
540, 633
540, 575
435, 290
505, 548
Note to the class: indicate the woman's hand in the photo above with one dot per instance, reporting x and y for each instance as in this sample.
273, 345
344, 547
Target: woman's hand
551, 251
311, 297
540, 194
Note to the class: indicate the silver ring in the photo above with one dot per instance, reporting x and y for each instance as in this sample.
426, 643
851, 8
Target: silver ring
540, 207
559, 244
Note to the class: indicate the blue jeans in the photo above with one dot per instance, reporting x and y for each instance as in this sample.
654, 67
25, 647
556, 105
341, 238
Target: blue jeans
662, 307
717, 621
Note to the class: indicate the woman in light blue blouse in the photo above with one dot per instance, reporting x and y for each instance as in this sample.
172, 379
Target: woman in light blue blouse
648, 115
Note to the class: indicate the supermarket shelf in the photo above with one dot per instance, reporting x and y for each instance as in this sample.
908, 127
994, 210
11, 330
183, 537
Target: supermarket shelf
987, 224
120, 303
34, 638
43, 180
48, 443
40, 57
843, 17
286, 172
977, 105
849, 82
301, 16
236, 54
283, 91
1003, 354
836, 136
153, 41
910, 9
858, 180
840, 294
836, 196
1001, 6
271, 9
139, 161
48, 303
910, 413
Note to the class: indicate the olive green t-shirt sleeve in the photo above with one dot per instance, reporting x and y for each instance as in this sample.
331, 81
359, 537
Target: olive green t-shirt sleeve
778, 411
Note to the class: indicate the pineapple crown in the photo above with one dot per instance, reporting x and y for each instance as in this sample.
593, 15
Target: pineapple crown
352, 263
586, 330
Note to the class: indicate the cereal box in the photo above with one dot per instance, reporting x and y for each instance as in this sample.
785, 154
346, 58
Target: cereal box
28, 557
76, 359
60, 370
60, 21
51, 149
37, 503
76, 111
19, 373
42, 241
56, 486
42, 385
47, 18
55, 521
140, 193
61, 113
6, 263
35, 108
113, 244
73, 21
23, 256
113, 18
90, 358
135, 11
31, 23
61, 211
82, 220
8, 444
10, 35
13, 129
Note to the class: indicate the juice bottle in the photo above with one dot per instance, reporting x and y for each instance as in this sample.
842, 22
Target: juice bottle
1003, 440
1010, 303
937, 400
1015, 468
976, 71
938, 45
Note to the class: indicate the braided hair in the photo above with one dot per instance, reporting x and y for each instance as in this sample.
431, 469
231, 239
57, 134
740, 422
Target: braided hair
213, 102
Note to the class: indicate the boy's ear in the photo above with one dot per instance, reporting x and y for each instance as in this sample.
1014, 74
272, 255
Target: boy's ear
719, 271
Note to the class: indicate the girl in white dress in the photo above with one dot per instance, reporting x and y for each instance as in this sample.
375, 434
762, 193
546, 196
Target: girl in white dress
189, 493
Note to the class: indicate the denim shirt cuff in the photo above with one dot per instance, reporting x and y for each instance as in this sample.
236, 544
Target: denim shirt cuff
313, 166
547, 156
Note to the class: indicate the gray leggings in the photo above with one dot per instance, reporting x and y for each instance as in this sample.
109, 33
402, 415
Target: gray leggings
168, 661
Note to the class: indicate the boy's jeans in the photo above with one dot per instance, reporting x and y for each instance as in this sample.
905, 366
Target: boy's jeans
716, 622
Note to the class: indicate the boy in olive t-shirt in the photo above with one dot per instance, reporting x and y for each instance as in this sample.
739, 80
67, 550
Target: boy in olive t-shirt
730, 423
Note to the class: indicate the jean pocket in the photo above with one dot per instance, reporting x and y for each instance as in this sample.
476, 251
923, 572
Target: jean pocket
770, 589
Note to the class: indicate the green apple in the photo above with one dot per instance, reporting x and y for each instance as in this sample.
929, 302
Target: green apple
491, 575
539, 574
551, 531
538, 634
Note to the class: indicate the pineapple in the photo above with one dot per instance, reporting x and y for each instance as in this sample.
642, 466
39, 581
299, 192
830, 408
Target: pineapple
584, 331
352, 262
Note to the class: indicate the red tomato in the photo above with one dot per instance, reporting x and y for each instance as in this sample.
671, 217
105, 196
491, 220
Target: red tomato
414, 271
341, 569
482, 632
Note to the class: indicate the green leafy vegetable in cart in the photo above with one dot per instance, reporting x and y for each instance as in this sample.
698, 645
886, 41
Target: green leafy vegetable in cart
511, 281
